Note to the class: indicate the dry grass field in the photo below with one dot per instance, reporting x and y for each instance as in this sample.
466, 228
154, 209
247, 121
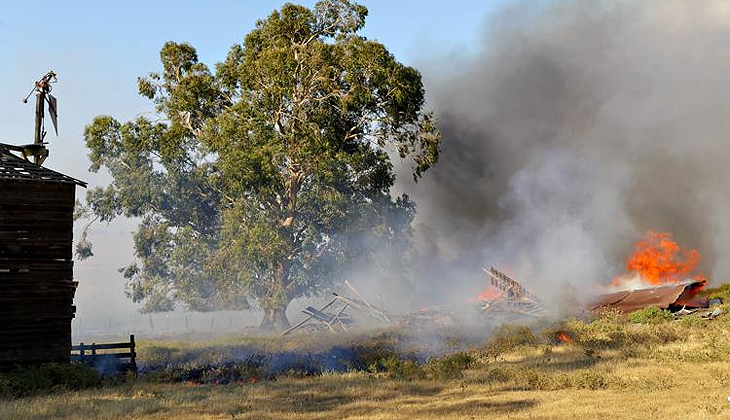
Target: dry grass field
610, 369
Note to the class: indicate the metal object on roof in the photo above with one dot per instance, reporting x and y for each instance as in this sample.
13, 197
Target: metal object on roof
15, 168
42, 88
663, 297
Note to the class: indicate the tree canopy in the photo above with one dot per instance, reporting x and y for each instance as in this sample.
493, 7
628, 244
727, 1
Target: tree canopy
258, 182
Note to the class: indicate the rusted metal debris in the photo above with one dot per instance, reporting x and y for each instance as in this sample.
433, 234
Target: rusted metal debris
672, 297
514, 301
704, 313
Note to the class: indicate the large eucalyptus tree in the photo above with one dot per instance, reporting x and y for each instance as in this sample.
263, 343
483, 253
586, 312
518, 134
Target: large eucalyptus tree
258, 182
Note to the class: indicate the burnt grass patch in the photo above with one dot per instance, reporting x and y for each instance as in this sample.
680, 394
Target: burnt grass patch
547, 356
436, 355
394, 354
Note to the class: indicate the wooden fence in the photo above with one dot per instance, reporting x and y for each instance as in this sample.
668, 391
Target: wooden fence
107, 362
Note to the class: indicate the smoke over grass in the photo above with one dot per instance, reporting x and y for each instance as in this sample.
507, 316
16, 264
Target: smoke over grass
575, 128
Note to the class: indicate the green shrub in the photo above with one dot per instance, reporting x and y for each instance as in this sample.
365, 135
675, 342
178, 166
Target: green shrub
369, 357
449, 367
404, 369
610, 316
589, 379
507, 338
498, 374
440, 368
650, 315
534, 379
514, 336
648, 329
721, 292
718, 345
47, 378
667, 332
608, 331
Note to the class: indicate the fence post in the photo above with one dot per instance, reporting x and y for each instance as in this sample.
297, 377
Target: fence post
133, 359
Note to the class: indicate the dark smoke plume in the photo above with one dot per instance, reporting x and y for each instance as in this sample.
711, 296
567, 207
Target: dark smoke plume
577, 127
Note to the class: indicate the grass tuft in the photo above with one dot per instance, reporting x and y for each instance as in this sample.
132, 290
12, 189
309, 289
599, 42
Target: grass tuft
650, 315
52, 377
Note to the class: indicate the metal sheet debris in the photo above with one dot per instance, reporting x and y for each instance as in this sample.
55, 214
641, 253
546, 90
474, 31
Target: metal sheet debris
663, 297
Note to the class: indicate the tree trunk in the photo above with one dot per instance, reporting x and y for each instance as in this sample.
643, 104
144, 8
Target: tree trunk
275, 305
275, 319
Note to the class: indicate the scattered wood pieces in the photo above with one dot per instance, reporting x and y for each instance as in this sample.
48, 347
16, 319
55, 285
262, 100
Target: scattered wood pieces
514, 302
339, 320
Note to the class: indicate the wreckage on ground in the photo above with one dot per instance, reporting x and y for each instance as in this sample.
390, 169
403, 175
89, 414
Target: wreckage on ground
339, 320
511, 302
514, 301
506, 301
680, 299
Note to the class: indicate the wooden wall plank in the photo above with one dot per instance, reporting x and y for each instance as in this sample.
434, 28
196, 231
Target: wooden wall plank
14, 234
36, 265
36, 271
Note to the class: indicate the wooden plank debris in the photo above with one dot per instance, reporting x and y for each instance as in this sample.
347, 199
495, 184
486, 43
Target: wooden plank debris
304, 321
515, 301
333, 321
370, 307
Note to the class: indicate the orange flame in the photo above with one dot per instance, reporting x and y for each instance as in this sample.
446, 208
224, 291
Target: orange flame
486, 295
563, 337
658, 259
490, 293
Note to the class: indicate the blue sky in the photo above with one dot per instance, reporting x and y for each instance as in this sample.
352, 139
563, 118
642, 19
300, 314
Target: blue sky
99, 48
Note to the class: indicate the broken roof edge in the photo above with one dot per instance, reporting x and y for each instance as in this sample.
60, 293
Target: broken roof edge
13, 167
630, 300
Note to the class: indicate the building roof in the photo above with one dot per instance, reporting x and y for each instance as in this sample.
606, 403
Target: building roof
16, 168
660, 297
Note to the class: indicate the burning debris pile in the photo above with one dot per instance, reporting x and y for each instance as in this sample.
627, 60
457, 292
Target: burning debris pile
507, 299
658, 260
660, 274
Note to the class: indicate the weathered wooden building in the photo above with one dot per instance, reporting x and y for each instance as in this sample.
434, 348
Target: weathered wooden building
36, 266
